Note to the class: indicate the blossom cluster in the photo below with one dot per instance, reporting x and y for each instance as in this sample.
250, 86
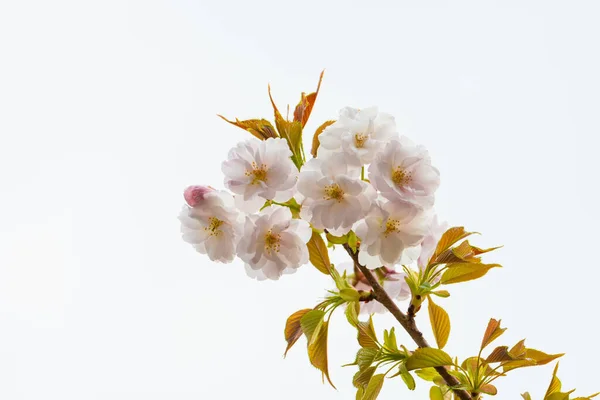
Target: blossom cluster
365, 178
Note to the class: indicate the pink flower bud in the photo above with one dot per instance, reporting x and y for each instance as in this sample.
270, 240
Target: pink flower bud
194, 195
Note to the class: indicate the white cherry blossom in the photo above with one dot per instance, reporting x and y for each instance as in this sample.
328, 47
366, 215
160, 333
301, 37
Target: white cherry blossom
335, 195
259, 170
212, 225
359, 133
389, 231
403, 171
273, 243
433, 236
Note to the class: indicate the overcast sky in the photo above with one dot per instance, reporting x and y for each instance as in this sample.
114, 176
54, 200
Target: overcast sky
108, 110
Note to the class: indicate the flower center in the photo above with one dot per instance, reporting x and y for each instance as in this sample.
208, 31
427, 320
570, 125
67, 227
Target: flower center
334, 192
391, 226
401, 177
213, 226
258, 173
360, 139
272, 242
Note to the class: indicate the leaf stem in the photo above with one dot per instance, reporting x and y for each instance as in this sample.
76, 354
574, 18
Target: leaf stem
407, 323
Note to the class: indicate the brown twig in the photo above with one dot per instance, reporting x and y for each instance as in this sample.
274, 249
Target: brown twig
407, 323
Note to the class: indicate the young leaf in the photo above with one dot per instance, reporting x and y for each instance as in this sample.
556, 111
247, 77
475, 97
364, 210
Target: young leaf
366, 334
450, 237
492, 332
526, 396
435, 393
349, 294
555, 384
540, 357
489, 389
499, 354
304, 108
441, 293
440, 323
315, 142
352, 310
310, 321
374, 387
407, 377
261, 128
317, 252
427, 357
363, 377
462, 272
291, 131
317, 350
293, 328
427, 374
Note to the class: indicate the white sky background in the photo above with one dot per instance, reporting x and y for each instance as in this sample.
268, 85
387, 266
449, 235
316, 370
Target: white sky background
107, 111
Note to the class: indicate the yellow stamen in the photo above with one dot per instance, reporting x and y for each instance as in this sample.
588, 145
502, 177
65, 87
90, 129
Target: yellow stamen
360, 139
391, 226
272, 242
401, 177
213, 227
334, 192
258, 173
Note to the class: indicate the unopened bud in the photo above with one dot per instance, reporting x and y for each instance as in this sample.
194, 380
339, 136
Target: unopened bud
194, 195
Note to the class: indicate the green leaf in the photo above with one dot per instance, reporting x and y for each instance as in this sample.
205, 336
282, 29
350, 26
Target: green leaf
428, 357
310, 321
349, 295
318, 255
492, 332
317, 350
462, 272
427, 374
407, 377
305, 106
435, 393
293, 328
441, 293
390, 340
352, 241
440, 323
374, 387
365, 357
352, 310
261, 128
337, 239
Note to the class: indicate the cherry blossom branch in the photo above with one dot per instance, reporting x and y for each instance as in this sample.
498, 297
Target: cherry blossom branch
407, 323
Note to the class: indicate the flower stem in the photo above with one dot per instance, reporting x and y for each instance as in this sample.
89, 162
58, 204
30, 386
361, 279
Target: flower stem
407, 323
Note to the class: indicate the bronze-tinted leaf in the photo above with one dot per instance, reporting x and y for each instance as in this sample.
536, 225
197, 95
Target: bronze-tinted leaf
518, 350
463, 272
317, 350
305, 106
526, 396
362, 377
440, 323
315, 142
261, 128
492, 332
293, 328
489, 389
318, 255
540, 357
555, 384
427, 357
499, 354
366, 334
310, 321
450, 237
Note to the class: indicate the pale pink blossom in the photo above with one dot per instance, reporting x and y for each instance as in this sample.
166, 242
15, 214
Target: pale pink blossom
403, 171
273, 243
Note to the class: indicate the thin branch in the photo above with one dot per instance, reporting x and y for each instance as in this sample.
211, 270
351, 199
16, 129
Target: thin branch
407, 323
